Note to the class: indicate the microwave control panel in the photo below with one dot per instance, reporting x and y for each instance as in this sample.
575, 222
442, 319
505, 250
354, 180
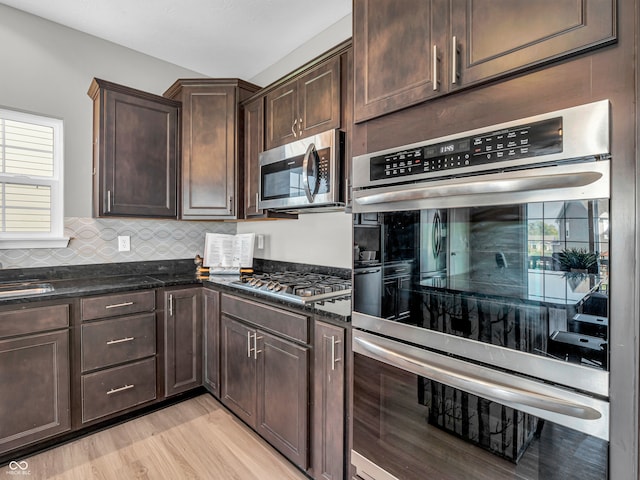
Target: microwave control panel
439, 159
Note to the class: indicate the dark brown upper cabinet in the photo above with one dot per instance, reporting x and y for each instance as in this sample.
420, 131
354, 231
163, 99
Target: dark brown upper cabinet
409, 51
212, 146
304, 105
135, 152
253, 145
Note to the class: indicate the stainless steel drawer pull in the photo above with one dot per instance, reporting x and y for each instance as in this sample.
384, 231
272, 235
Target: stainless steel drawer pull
120, 340
120, 389
116, 305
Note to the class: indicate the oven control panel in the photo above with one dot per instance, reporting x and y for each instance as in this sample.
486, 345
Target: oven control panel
528, 140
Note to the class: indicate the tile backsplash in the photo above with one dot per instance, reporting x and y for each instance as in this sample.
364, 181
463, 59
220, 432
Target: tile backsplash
96, 241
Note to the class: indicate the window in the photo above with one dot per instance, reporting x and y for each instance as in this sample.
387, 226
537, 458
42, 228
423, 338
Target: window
31, 181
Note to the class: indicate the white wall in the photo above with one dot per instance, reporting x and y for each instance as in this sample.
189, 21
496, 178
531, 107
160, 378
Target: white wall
329, 38
47, 68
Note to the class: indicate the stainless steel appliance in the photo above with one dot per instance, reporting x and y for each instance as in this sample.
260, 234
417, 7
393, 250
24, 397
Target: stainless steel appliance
497, 368
303, 174
296, 287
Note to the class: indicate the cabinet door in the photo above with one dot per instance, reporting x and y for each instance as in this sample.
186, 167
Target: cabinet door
283, 396
183, 340
138, 164
319, 99
34, 375
253, 145
282, 115
208, 152
238, 369
329, 402
211, 314
399, 56
495, 37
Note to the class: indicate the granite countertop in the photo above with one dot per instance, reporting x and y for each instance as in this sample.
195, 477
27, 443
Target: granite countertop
73, 282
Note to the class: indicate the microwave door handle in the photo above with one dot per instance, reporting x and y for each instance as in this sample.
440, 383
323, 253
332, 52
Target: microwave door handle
483, 187
482, 387
305, 173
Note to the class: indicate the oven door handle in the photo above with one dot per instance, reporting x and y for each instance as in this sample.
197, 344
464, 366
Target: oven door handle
501, 393
484, 187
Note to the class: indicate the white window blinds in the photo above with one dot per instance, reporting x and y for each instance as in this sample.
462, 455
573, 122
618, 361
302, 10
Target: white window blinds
31, 201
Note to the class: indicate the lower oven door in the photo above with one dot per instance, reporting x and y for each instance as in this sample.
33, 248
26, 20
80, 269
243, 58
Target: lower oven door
418, 414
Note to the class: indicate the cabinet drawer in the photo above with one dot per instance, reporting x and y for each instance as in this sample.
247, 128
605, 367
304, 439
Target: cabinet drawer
118, 388
120, 304
286, 323
110, 342
32, 320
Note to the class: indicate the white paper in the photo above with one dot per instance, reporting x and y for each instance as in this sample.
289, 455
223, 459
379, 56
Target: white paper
225, 253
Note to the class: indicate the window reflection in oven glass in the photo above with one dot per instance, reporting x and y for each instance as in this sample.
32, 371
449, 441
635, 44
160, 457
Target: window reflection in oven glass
530, 277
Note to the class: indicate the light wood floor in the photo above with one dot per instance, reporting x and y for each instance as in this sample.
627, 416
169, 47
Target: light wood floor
194, 439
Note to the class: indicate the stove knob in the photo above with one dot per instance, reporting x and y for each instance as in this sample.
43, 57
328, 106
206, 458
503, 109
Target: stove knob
258, 283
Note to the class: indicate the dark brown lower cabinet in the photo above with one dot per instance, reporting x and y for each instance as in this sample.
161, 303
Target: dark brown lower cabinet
211, 341
264, 380
182, 339
329, 402
34, 375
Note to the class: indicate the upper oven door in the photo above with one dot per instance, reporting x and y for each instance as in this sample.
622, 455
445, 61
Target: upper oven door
301, 174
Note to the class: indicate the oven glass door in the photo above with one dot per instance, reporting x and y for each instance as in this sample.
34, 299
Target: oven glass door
411, 427
529, 277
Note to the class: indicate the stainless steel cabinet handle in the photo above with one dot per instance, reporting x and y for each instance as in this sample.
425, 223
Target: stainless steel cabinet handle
170, 305
255, 346
293, 128
249, 344
485, 388
300, 127
435, 68
121, 389
334, 360
120, 340
257, 200
116, 305
454, 60
108, 201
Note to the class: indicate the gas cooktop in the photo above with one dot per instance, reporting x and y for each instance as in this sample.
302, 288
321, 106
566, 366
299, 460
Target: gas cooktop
297, 287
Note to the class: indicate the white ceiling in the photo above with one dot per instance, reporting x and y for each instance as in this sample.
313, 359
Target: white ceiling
218, 38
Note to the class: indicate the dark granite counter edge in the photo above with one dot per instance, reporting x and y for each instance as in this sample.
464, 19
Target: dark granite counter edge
84, 280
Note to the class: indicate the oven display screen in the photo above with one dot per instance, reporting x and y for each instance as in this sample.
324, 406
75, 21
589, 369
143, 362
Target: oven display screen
447, 148
438, 160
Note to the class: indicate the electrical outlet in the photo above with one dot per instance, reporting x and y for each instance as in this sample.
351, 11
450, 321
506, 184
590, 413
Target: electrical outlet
124, 243
260, 239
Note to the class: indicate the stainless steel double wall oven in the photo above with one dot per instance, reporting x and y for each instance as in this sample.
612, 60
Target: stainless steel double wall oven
496, 365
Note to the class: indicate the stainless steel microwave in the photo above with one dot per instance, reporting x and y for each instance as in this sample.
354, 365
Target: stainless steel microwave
304, 174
